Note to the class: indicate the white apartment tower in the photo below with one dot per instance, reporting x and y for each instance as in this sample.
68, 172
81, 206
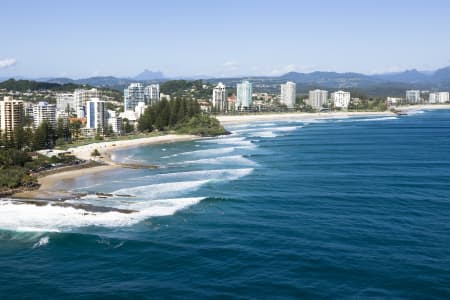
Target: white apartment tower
81, 97
65, 102
11, 115
413, 96
133, 95
151, 94
318, 98
244, 95
219, 97
288, 93
439, 97
341, 99
44, 112
96, 113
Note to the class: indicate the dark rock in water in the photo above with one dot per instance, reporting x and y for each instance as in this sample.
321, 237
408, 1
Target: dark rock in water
86, 207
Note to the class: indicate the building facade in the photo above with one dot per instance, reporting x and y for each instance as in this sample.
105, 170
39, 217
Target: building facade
439, 97
341, 99
219, 98
96, 114
65, 102
413, 96
133, 95
11, 115
81, 97
244, 95
288, 93
318, 98
151, 94
44, 112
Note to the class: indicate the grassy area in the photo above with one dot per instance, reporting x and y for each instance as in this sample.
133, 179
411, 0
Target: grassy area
88, 141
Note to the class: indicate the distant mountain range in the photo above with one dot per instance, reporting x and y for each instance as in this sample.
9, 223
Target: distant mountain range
379, 84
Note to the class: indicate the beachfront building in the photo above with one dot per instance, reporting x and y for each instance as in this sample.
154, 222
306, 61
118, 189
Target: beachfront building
412, 96
151, 94
341, 99
11, 115
133, 95
392, 101
219, 98
244, 95
44, 112
139, 109
439, 97
318, 98
81, 97
65, 102
96, 114
288, 93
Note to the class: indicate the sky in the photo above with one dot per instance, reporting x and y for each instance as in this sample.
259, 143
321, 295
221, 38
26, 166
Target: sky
81, 38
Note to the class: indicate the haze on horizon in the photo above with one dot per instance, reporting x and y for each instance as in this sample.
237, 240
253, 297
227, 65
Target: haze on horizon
190, 38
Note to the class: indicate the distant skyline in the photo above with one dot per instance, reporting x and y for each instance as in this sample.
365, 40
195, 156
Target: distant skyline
190, 38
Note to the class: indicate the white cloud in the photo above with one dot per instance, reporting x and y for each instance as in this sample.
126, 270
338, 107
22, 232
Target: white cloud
7, 62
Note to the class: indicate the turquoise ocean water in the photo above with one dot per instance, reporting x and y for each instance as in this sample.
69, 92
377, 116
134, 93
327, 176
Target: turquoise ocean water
351, 208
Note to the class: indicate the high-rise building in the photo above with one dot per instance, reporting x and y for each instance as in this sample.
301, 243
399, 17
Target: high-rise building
97, 114
139, 109
44, 112
65, 102
288, 93
11, 115
413, 96
151, 94
318, 98
341, 99
244, 95
219, 97
81, 97
133, 95
439, 97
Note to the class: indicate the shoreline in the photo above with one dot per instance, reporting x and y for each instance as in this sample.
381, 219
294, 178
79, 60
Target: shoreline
48, 183
286, 116
250, 118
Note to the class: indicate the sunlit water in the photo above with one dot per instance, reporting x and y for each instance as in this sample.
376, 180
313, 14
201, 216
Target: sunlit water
346, 208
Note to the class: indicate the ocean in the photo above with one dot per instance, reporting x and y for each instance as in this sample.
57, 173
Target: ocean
350, 208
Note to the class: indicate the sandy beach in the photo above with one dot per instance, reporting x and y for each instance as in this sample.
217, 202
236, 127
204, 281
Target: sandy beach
295, 116
257, 117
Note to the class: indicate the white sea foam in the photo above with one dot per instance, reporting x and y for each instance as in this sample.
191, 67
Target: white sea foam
240, 141
264, 134
366, 119
233, 159
379, 119
161, 190
415, 112
273, 131
206, 152
220, 174
42, 242
55, 218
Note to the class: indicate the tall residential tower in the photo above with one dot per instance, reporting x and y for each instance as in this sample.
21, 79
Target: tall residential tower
244, 95
288, 93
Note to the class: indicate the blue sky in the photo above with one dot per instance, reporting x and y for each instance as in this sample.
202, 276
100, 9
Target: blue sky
221, 38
